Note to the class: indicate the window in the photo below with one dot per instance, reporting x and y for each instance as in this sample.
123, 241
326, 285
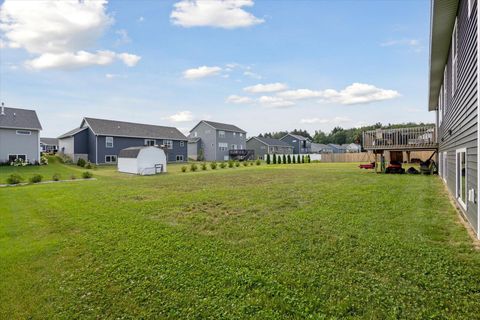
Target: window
182, 143
109, 142
234, 134
461, 177
221, 134
195, 134
444, 166
223, 146
454, 59
241, 134
179, 157
445, 92
111, 159
470, 6
13, 157
233, 147
149, 142
24, 132
168, 144
440, 106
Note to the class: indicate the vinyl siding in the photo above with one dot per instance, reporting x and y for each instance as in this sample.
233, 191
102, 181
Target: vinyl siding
459, 126
12, 143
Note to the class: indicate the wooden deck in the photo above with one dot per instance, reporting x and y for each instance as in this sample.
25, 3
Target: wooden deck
402, 139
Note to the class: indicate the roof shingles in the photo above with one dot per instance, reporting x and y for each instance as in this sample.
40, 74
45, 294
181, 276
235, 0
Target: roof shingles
15, 118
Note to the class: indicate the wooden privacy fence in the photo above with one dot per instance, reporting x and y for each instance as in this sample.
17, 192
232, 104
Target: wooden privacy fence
369, 157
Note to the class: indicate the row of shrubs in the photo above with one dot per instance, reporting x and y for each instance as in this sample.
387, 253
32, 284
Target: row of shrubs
288, 159
15, 178
222, 165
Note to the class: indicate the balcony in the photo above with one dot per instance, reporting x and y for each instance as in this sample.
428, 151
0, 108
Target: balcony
241, 154
416, 138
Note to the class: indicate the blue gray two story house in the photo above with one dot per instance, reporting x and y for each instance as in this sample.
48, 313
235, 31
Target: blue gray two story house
299, 143
100, 140
19, 135
453, 96
215, 141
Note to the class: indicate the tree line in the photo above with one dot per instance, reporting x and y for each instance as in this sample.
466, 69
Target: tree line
339, 135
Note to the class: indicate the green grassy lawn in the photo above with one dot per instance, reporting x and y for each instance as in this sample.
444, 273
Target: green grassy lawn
267, 242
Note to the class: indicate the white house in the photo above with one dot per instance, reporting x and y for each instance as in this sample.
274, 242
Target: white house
145, 160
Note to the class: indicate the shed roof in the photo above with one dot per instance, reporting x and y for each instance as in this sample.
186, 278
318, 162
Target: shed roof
132, 152
115, 128
15, 118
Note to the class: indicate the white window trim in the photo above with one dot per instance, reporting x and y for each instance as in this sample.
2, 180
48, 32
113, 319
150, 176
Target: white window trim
470, 6
24, 132
154, 142
182, 143
107, 143
221, 134
440, 106
111, 155
459, 198
168, 145
16, 156
444, 166
454, 58
179, 160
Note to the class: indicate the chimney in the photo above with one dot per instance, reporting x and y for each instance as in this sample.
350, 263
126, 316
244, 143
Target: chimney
2, 109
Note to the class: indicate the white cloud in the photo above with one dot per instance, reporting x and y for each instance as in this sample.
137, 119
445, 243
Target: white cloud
274, 102
239, 99
58, 32
201, 72
80, 59
266, 88
358, 93
228, 14
300, 94
336, 120
182, 116
252, 75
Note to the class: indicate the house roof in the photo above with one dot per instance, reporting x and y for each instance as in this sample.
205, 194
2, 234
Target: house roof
71, 133
338, 146
115, 128
49, 141
320, 146
272, 142
221, 126
15, 118
443, 15
296, 136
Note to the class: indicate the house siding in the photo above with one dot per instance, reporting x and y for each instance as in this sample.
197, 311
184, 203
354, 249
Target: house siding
12, 143
261, 149
120, 143
459, 126
231, 138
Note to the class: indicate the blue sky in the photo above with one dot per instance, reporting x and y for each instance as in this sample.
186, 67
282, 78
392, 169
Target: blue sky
262, 65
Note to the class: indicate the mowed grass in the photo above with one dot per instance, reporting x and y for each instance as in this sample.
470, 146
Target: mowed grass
264, 242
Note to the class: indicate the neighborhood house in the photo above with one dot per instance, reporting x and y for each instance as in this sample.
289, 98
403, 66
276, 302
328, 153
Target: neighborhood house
263, 146
100, 140
300, 144
49, 145
19, 135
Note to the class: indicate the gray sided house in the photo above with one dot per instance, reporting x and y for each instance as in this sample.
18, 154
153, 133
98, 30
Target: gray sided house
217, 141
453, 95
337, 148
321, 148
100, 141
263, 146
299, 143
19, 135
49, 145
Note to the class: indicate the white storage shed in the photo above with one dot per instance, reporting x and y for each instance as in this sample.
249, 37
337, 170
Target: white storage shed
145, 160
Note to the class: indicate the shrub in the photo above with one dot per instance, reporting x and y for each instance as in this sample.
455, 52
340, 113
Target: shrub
299, 159
230, 163
293, 159
258, 162
289, 159
14, 179
213, 165
251, 163
73, 177
19, 163
43, 160
81, 162
284, 159
36, 178
88, 165
303, 159
279, 161
245, 163
184, 169
223, 165
308, 159
237, 164
87, 175
56, 177
268, 159
204, 166
193, 167
64, 159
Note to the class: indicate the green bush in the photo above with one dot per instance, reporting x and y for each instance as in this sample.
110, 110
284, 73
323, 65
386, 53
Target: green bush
245, 163
184, 169
193, 167
237, 164
289, 159
213, 165
303, 159
251, 163
274, 158
267, 160
87, 175
43, 160
88, 165
279, 161
56, 177
36, 178
223, 165
204, 166
298, 159
81, 162
258, 162
308, 159
14, 179
230, 163
294, 159
284, 159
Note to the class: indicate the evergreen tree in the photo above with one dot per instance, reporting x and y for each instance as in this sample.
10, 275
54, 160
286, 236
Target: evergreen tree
293, 159
268, 158
303, 159
274, 158
284, 159
280, 159
289, 159
308, 158
298, 159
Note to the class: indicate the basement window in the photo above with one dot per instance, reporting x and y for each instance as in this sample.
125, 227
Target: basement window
461, 177
111, 159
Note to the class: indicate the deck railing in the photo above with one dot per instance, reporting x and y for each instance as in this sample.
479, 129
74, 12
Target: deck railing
400, 139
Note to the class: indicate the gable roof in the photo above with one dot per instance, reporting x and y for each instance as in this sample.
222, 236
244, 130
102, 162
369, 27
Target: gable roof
49, 141
71, 133
320, 146
272, 142
443, 15
221, 126
115, 128
15, 118
296, 136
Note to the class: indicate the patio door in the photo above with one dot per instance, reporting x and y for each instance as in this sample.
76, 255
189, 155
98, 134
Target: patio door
461, 177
